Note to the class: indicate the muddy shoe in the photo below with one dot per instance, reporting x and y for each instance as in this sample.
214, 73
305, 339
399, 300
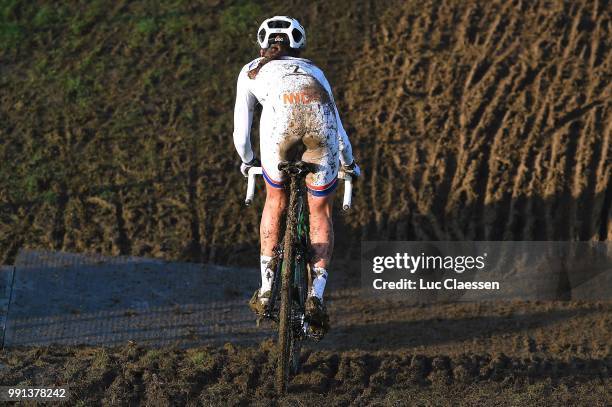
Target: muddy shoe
259, 304
316, 315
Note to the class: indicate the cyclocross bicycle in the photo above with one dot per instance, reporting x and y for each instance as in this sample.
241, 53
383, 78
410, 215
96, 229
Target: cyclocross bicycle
292, 279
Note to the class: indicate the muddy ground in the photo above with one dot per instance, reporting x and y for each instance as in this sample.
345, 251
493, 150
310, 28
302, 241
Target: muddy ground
549, 353
482, 120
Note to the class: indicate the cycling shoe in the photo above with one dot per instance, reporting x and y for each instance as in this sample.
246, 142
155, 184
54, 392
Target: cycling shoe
259, 303
317, 317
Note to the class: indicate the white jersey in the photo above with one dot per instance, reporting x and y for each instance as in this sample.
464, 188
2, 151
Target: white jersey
274, 94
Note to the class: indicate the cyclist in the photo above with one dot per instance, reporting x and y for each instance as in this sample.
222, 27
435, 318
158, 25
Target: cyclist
298, 113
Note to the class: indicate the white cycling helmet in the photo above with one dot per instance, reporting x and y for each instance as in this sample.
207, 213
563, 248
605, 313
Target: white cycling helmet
282, 25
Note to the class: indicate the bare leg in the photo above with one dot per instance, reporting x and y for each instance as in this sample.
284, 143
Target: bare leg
321, 229
276, 201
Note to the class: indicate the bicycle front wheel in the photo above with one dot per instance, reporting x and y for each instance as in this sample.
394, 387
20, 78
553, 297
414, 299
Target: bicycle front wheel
285, 317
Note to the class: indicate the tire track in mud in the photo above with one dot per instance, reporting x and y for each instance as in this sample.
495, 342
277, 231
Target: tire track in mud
513, 94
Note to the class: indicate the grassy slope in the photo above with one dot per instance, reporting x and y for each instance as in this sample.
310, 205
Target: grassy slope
472, 120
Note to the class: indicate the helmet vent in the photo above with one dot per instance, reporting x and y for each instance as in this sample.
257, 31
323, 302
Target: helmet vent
279, 24
297, 35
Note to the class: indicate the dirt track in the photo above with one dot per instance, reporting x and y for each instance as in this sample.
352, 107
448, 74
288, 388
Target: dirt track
234, 376
378, 352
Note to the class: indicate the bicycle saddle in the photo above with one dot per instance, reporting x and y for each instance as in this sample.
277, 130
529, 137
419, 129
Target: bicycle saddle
296, 168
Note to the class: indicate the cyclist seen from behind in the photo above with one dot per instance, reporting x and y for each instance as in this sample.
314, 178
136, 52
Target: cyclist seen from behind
299, 120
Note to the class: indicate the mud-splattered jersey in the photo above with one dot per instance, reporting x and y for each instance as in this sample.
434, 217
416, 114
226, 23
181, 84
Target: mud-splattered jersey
278, 83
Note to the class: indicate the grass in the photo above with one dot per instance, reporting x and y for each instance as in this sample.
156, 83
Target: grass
45, 17
202, 360
240, 18
151, 356
152, 77
175, 24
101, 359
11, 34
146, 26
8, 9
197, 358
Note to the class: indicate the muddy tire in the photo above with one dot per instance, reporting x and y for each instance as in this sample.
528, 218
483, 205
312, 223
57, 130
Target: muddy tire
284, 331
285, 326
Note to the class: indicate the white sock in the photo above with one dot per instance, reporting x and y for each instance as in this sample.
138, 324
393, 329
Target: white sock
318, 284
266, 275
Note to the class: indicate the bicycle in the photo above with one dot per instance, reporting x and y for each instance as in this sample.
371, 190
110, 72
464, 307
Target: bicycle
292, 277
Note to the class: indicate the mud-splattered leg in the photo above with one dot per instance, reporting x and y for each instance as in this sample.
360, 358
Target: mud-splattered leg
321, 229
276, 201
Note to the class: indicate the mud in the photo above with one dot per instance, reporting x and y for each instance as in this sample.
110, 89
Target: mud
470, 120
553, 353
232, 375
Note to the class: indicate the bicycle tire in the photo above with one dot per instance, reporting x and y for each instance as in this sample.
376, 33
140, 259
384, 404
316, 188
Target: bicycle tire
285, 331
297, 311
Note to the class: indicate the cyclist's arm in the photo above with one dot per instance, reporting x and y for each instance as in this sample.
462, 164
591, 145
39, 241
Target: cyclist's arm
346, 150
243, 118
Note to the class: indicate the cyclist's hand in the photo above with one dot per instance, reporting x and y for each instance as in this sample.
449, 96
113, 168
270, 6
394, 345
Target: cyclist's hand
352, 169
244, 167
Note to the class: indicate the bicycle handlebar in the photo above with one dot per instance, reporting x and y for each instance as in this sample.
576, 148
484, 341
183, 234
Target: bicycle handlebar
348, 190
348, 187
251, 184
